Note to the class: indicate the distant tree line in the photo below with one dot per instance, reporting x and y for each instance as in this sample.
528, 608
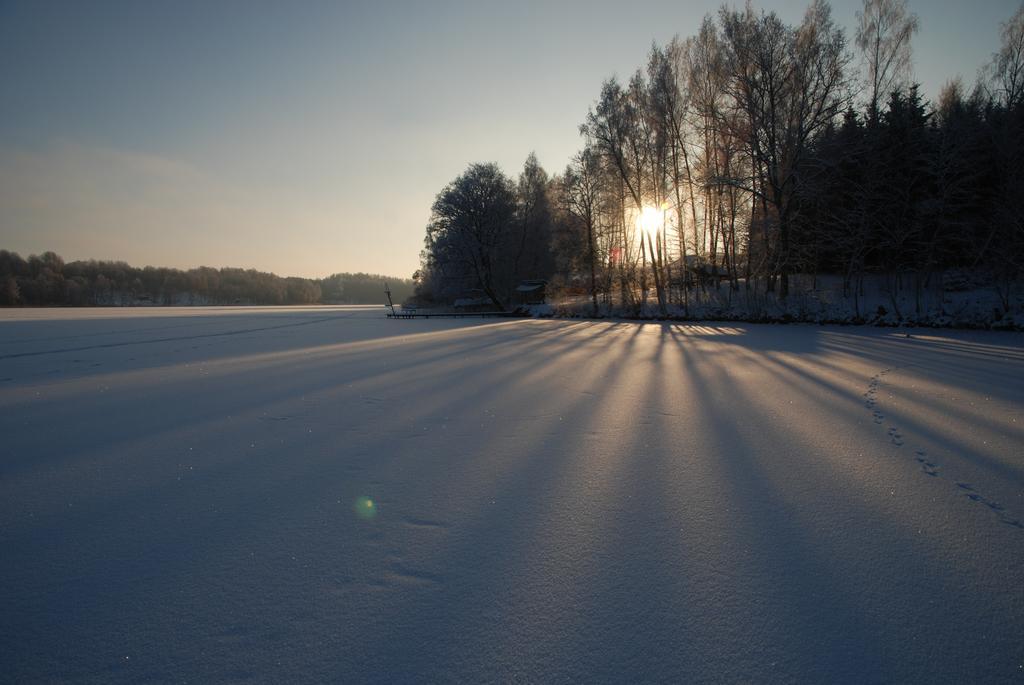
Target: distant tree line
45, 279
750, 152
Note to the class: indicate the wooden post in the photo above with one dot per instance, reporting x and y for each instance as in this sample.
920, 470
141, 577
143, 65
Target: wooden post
391, 304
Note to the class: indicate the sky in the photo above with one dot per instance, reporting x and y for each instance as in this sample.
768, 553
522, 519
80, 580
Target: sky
310, 138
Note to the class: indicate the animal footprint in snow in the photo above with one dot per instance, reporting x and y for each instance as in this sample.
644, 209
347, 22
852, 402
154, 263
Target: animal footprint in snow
928, 467
897, 438
994, 506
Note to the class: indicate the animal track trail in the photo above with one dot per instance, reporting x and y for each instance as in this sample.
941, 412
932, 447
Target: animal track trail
871, 396
871, 402
997, 508
928, 466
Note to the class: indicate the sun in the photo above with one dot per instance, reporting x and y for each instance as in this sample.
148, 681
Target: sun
649, 220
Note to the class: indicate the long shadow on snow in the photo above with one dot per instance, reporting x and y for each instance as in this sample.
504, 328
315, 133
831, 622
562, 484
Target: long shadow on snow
279, 378
981, 369
396, 329
903, 358
108, 326
433, 378
214, 534
480, 612
817, 597
108, 511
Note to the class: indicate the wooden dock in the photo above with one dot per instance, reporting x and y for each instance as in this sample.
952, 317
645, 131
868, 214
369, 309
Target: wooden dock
401, 313
450, 315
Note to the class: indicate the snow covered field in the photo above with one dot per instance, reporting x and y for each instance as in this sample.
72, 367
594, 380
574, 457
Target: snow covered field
302, 495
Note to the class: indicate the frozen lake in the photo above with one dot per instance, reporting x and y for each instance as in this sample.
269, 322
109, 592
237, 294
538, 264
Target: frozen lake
320, 494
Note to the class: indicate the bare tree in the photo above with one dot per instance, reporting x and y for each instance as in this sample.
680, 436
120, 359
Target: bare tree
581, 197
672, 80
621, 130
790, 86
1007, 67
884, 30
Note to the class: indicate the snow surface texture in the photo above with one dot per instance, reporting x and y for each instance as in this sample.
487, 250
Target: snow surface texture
311, 495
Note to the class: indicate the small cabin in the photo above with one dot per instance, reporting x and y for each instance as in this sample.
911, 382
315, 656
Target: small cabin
532, 292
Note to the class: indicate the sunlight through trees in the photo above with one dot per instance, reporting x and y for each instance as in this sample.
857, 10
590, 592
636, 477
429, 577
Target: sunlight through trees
764, 156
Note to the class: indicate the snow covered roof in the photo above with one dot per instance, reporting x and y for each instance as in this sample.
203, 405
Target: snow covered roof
530, 286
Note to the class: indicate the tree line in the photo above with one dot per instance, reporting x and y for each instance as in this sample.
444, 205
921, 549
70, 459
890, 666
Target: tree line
44, 280
750, 152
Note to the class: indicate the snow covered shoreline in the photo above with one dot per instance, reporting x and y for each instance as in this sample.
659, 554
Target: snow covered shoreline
718, 317
955, 302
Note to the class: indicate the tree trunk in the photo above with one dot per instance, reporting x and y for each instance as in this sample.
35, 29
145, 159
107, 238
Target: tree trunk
593, 268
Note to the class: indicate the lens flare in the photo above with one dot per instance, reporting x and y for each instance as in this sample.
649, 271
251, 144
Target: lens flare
365, 508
